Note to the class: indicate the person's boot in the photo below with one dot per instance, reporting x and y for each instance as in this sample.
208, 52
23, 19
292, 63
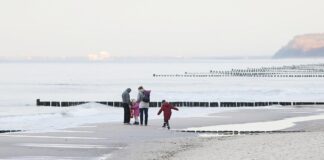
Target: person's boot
164, 125
136, 123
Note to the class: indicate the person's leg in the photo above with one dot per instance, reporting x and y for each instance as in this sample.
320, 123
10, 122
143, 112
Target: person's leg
141, 115
125, 110
131, 114
146, 115
136, 114
127, 114
136, 120
167, 123
164, 123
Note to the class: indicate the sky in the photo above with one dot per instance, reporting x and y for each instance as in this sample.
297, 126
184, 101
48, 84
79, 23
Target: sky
100, 29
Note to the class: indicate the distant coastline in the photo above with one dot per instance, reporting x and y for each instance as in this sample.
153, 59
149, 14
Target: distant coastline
303, 46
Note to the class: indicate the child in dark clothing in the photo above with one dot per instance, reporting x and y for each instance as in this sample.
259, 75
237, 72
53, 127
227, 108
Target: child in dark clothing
166, 108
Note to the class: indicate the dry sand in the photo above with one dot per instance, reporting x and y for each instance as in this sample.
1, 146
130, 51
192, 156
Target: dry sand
288, 146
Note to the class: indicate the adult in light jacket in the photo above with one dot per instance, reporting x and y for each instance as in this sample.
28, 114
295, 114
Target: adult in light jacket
143, 98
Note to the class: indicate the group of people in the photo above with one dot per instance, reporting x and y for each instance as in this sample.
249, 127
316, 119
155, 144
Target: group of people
136, 108
139, 108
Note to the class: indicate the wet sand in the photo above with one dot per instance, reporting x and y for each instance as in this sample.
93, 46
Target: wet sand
117, 141
290, 146
270, 146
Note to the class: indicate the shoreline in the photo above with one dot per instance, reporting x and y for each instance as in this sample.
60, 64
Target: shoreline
288, 146
117, 141
234, 147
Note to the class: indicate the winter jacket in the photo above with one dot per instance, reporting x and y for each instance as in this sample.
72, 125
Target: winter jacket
166, 108
140, 97
135, 109
126, 97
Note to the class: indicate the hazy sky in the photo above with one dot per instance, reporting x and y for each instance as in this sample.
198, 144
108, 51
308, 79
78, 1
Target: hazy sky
154, 27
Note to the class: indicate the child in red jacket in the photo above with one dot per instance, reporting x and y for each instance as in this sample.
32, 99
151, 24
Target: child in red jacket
166, 108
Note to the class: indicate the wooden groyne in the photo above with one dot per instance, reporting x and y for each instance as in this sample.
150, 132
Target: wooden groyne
10, 131
297, 71
227, 132
179, 104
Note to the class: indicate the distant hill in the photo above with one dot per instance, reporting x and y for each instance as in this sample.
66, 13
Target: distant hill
302, 46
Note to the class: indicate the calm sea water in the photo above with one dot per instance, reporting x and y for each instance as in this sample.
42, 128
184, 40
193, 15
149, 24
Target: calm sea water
22, 83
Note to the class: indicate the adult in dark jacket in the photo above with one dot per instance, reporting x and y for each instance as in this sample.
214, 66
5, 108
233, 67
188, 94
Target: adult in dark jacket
126, 105
166, 109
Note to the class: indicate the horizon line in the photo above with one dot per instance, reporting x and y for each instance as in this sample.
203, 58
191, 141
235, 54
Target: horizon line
83, 59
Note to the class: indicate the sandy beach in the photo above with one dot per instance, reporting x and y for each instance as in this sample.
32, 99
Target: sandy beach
117, 141
216, 80
303, 145
272, 146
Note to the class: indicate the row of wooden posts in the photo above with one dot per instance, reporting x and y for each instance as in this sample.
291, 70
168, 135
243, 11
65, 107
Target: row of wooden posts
178, 104
9, 131
311, 70
238, 75
229, 132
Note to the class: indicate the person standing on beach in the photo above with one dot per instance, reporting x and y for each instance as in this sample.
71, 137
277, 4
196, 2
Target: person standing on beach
143, 98
166, 108
126, 105
136, 111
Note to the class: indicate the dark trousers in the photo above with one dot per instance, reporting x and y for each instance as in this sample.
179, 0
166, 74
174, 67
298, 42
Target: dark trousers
126, 113
143, 112
166, 123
